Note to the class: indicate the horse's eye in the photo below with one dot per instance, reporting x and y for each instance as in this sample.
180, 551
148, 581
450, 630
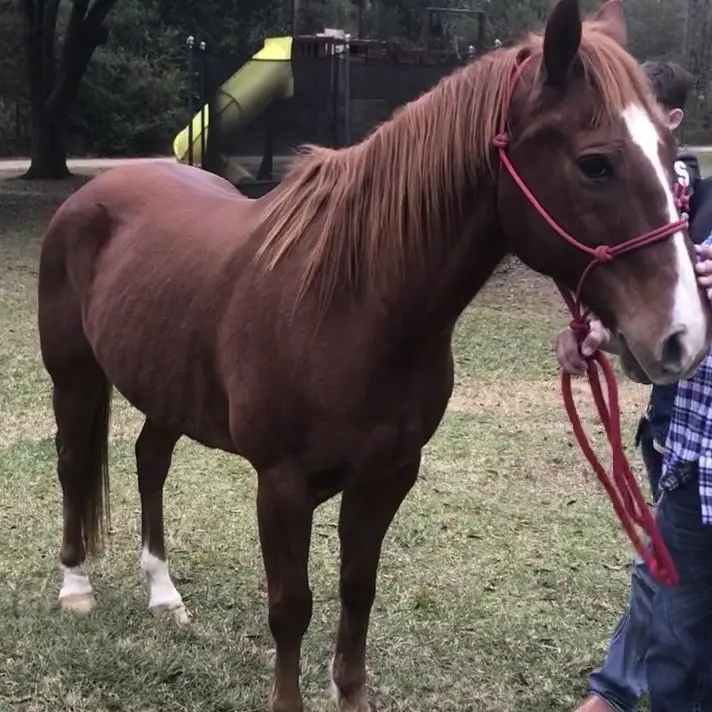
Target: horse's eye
595, 166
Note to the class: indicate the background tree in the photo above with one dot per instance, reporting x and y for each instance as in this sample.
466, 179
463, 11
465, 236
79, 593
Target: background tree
132, 98
55, 74
13, 78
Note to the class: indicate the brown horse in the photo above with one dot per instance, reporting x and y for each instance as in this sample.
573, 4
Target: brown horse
310, 331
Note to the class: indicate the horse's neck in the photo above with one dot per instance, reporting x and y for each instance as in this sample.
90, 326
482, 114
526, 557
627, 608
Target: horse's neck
434, 300
473, 259
443, 205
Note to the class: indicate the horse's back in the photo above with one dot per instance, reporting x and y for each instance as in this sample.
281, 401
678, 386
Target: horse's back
137, 206
151, 226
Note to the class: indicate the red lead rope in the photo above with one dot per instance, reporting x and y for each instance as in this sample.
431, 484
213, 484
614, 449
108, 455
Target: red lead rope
621, 485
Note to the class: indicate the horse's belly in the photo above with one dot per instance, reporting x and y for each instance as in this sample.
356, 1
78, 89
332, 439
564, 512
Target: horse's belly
164, 371
205, 424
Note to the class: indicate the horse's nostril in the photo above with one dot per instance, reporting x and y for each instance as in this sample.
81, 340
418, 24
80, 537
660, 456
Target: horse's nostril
673, 350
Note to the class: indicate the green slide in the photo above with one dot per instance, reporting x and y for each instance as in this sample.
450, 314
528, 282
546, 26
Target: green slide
242, 97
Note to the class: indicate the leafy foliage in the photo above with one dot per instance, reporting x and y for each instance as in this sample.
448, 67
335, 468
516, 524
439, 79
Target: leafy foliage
13, 90
130, 103
133, 98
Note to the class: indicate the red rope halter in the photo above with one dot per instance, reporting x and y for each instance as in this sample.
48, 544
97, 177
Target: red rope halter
620, 485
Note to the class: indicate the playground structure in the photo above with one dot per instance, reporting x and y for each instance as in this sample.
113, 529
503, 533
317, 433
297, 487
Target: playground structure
260, 81
329, 88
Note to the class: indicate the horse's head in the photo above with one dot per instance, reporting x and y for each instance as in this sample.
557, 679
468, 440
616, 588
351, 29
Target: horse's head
586, 136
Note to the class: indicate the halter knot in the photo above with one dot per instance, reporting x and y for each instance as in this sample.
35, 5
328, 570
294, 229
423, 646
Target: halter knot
501, 140
603, 253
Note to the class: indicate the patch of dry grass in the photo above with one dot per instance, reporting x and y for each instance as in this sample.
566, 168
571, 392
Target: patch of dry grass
501, 578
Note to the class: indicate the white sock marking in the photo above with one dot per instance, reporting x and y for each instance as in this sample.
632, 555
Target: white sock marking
687, 310
358, 705
75, 582
161, 588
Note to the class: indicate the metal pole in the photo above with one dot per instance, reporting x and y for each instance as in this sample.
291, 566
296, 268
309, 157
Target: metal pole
295, 18
335, 66
480, 48
203, 102
347, 89
686, 35
191, 43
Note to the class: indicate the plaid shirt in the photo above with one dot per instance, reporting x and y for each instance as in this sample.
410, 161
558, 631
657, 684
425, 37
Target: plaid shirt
689, 439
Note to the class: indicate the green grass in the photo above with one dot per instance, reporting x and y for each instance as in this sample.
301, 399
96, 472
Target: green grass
501, 578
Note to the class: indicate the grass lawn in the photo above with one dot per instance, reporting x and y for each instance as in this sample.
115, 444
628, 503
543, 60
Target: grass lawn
502, 575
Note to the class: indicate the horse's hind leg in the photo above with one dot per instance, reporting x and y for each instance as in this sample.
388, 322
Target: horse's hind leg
81, 405
285, 511
367, 511
154, 451
81, 397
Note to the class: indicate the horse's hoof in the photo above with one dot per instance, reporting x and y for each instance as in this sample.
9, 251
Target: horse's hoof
175, 612
282, 704
78, 603
359, 702
360, 705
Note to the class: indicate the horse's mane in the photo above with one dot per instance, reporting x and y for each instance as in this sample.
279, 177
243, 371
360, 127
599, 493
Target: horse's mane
365, 215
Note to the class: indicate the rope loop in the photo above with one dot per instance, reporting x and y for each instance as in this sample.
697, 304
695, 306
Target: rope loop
501, 140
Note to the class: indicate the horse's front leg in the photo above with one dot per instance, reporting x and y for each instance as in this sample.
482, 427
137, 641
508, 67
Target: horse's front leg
285, 510
367, 510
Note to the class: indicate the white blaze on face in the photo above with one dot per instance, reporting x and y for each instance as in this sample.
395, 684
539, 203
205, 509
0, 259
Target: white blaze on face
687, 309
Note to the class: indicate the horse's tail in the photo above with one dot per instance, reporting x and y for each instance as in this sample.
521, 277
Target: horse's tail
95, 500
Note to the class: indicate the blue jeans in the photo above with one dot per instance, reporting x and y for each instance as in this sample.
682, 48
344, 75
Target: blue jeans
621, 681
665, 635
679, 656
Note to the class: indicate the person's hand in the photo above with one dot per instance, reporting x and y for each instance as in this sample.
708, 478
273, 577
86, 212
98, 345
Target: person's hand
704, 267
570, 358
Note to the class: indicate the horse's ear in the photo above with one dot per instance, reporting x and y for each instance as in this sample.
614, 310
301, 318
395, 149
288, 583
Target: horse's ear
562, 39
612, 21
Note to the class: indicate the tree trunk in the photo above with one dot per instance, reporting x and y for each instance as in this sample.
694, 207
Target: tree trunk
53, 85
49, 153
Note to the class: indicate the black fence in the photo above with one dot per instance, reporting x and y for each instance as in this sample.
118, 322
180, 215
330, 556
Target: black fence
380, 83
338, 92
310, 114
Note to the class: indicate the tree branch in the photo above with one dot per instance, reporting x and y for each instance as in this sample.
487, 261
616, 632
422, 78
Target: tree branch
72, 71
85, 33
98, 11
33, 44
49, 28
76, 18
29, 7
74, 34
72, 41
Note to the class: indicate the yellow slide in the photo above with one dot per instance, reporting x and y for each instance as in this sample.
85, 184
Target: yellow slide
248, 92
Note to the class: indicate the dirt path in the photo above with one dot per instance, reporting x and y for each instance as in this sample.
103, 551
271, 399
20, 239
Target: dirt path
74, 164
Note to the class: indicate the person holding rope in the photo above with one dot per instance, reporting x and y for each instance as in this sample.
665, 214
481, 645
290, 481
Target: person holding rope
663, 642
